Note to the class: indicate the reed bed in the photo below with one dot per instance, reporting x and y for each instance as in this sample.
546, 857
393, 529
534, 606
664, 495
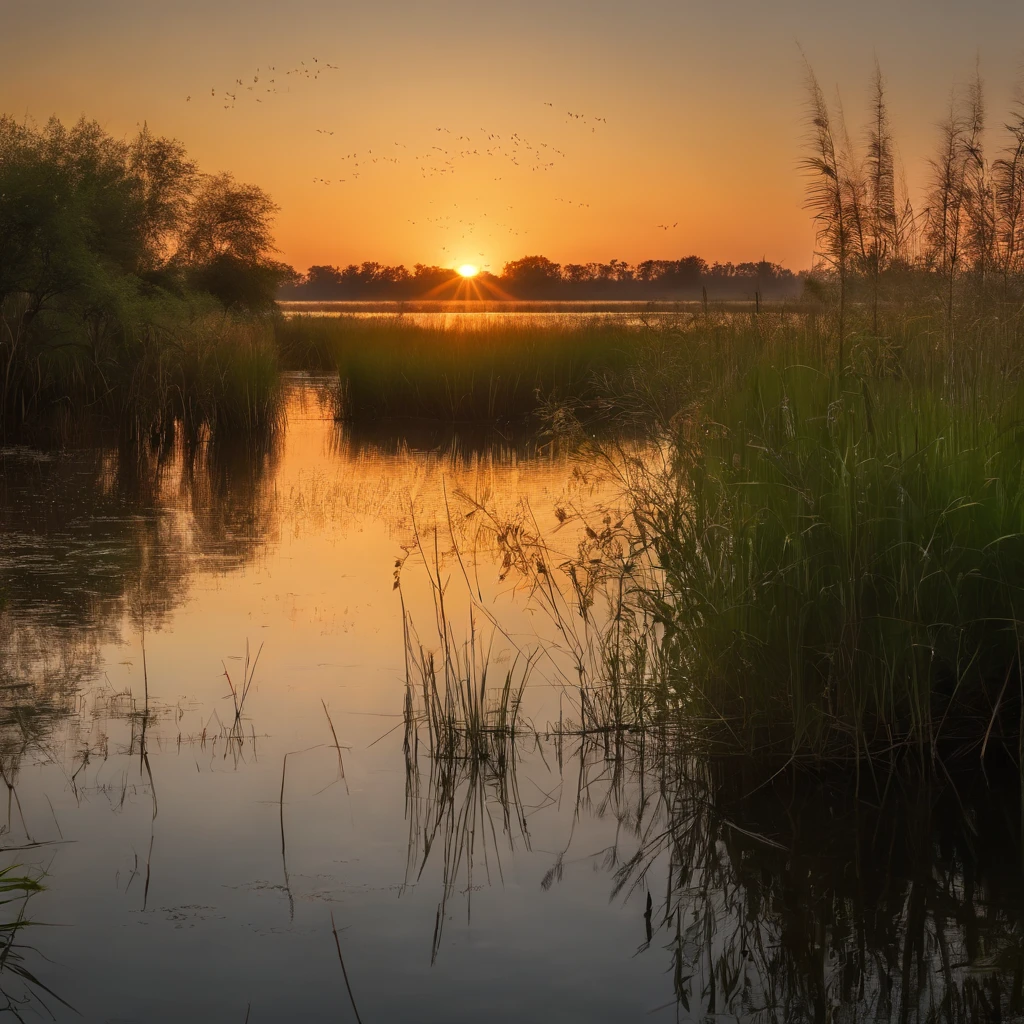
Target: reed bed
818, 558
752, 867
221, 376
784, 657
449, 685
833, 557
477, 370
211, 373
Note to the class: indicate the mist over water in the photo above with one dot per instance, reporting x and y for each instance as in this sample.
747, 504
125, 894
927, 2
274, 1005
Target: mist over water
203, 676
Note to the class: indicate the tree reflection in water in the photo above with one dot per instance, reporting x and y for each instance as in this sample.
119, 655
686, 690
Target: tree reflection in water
92, 542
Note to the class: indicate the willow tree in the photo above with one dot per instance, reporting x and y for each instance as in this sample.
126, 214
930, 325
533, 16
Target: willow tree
226, 244
165, 182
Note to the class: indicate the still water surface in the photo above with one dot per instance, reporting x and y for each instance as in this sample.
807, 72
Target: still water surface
193, 866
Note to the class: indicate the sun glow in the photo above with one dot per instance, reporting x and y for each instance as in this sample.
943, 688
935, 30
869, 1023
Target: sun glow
468, 270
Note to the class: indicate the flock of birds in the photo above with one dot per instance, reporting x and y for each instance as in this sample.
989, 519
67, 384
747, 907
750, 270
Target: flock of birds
267, 86
436, 161
504, 152
450, 222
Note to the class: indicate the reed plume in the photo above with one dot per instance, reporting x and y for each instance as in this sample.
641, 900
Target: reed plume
1008, 195
827, 197
883, 228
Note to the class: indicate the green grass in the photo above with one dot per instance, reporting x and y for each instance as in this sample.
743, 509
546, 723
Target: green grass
20, 988
486, 371
822, 559
230, 377
838, 558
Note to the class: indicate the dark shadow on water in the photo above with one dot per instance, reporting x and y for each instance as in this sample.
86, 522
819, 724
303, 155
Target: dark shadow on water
100, 542
79, 528
774, 892
795, 901
782, 895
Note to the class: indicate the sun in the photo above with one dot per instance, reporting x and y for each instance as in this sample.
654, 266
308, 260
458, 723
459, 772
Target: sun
468, 270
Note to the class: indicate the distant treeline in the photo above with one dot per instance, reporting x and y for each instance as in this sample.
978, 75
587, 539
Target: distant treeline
536, 277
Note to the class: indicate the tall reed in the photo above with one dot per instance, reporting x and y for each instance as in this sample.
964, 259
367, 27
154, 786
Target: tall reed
836, 560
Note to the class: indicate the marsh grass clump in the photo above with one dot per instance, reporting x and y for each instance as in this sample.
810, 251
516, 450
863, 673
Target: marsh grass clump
230, 379
808, 556
449, 690
493, 370
839, 557
214, 374
468, 792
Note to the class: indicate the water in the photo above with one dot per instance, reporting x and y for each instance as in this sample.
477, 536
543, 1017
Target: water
494, 308
483, 316
194, 865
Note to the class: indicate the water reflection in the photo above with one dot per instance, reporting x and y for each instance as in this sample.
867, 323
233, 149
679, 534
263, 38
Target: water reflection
200, 806
80, 530
793, 901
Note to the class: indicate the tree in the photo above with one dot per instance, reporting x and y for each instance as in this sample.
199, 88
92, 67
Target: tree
532, 275
227, 243
165, 179
69, 212
324, 282
577, 273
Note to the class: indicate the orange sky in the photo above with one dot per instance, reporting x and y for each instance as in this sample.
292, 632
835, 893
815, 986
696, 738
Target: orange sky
701, 106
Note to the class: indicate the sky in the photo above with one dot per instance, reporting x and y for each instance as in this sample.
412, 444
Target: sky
687, 141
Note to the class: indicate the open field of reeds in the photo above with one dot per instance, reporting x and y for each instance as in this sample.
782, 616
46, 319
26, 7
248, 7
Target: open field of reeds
482, 370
